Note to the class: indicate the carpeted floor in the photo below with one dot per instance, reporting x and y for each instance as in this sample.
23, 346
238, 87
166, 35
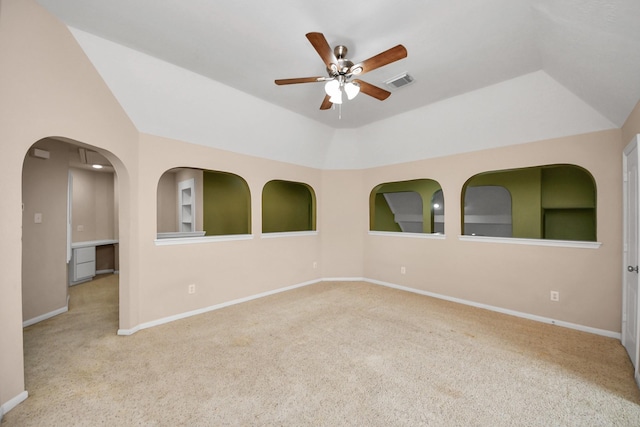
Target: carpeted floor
329, 354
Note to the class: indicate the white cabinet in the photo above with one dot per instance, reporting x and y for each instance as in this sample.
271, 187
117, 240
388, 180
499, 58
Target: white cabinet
83, 264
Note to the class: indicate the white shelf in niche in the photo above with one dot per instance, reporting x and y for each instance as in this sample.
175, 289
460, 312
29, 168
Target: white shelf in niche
433, 236
532, 242
288, 234
171, 241
187, 208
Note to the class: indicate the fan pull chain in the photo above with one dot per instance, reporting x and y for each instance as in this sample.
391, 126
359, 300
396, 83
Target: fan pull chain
339, 111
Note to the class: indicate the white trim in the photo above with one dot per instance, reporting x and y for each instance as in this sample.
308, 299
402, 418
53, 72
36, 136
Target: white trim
131, 331
288, 234
211, 308
107, 271
434, 236
548, 320
532, 242
179, 234
631, 145
190, 185
13, 402
46, 315
520, 314
205, 239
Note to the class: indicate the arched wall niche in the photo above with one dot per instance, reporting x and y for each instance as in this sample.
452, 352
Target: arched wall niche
413, 206
193, 202
555, 202
288, 206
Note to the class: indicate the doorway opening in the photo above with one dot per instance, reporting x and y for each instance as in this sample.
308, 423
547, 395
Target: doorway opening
70, 237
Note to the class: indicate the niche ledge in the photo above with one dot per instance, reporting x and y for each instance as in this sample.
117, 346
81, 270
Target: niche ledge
434, 236
532, 242
276, 234
203, 239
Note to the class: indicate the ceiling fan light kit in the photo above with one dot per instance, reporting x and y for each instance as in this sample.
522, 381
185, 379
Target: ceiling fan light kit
342, 71
334, 89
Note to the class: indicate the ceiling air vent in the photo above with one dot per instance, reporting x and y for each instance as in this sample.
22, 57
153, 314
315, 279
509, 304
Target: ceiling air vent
399, 81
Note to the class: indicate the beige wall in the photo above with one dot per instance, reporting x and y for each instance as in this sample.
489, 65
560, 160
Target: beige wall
49, 88
93, 206
221, 271
47, 76
340, 203
167, 201
509, 276
44, 244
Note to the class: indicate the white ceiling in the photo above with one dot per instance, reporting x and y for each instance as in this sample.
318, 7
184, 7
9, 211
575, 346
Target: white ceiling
591, 47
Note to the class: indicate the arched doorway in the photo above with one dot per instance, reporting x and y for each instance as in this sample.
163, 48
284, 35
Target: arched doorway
70, 196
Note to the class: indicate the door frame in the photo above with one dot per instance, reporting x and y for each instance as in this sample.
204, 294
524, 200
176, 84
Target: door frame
625, 277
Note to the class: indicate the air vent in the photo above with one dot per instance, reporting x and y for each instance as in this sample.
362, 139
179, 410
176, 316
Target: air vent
399, 81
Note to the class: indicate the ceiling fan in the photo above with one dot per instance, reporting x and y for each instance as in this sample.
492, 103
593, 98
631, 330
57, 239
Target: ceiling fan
342, 71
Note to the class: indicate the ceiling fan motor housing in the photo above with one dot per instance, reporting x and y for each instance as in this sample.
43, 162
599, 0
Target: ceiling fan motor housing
343, 65
341, 70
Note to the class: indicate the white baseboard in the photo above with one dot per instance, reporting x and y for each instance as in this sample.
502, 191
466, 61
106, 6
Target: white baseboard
46, 315
211, 308
603, 332
12, 403
529, 316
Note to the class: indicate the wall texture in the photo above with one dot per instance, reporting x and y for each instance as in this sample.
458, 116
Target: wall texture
45, 75
44, 192
514, 277
49, 88
93, 206
167, 196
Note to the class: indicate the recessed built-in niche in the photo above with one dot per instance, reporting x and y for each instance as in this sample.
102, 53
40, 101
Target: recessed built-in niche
556, 202
288, 207
415, 206
194, 202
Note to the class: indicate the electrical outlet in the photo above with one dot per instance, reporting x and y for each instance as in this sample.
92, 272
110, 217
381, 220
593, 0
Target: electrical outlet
555, 296
192, 288
403, 270
315, 264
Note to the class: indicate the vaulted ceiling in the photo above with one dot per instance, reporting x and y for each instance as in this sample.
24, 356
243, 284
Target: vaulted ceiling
590, 47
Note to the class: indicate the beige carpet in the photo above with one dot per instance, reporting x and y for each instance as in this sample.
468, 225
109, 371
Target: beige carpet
329, 354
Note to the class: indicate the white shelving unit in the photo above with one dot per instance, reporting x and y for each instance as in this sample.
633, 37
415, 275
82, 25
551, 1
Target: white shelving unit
187, 205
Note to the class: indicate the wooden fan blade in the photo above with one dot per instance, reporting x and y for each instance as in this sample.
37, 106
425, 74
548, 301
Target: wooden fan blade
321, 46
326, 104
299, 80
371, 90
387, 57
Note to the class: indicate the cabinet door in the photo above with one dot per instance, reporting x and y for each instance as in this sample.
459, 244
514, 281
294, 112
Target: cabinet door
84, 263
85, 270
84, 254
